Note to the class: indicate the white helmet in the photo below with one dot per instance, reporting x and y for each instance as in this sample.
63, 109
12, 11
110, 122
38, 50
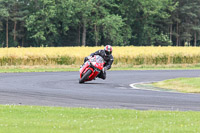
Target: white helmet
108, 49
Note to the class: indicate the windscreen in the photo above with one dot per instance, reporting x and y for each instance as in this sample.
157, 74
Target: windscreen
99, 59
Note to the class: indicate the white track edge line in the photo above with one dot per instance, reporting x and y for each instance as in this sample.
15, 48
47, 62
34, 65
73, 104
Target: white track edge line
137, 88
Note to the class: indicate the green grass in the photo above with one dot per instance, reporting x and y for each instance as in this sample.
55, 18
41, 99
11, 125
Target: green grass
17, 70
57, 68
54, 68
35, 119
188, 85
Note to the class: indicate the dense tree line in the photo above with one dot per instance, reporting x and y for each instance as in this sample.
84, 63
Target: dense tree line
99, 22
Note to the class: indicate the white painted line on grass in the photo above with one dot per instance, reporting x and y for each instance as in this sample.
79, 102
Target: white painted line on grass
133, 86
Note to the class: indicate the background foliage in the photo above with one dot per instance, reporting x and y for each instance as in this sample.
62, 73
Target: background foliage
99, 22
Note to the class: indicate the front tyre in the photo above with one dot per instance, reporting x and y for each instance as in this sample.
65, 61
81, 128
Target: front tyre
85, 76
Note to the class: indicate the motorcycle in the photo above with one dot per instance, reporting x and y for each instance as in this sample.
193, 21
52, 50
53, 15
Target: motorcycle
91, 68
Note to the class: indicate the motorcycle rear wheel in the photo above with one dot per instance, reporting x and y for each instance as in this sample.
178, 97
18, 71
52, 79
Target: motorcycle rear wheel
85, 76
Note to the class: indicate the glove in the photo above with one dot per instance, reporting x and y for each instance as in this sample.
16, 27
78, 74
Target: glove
104, 69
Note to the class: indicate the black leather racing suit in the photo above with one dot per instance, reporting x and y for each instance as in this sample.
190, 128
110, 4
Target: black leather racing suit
108, 61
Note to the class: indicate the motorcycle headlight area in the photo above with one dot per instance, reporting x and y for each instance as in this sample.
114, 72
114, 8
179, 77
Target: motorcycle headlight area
94, 63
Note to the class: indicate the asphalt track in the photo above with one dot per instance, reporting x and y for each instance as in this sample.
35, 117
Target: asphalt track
63, 89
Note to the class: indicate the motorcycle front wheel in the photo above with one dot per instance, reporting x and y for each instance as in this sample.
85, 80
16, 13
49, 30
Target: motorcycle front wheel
85, 76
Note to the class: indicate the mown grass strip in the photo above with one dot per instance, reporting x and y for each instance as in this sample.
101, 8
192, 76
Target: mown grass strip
35, 119
62, 68
188, 85
18, 70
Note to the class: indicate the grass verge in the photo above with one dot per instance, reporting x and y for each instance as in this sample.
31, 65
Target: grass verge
35, 119
56, 68
53, 68
188, 85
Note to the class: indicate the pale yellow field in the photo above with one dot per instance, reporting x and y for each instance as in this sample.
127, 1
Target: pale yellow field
85, 51
132, 55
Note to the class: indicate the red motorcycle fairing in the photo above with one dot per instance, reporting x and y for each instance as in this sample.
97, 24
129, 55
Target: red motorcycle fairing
93, 75
95, 64
85, 69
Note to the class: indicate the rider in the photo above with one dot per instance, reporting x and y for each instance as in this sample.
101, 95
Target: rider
106, 54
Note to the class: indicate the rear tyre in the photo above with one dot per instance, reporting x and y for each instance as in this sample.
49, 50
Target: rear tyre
85, 76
